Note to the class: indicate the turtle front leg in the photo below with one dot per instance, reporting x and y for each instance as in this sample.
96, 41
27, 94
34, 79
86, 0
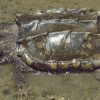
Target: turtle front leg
19, 67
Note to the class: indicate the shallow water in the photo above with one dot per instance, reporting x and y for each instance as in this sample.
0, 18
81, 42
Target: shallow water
73, 86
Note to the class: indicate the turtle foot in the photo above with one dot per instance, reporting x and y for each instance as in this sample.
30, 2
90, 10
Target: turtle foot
23, 94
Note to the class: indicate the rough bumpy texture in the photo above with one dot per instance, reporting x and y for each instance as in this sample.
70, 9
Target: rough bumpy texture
58, 35
53, 40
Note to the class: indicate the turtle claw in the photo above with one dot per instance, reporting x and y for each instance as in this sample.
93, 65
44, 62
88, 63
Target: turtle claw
23, 94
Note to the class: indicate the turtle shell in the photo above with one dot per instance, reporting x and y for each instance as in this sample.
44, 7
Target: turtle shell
59, 34
57, 20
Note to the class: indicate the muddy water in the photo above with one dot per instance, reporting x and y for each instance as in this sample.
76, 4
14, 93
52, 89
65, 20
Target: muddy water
73, 86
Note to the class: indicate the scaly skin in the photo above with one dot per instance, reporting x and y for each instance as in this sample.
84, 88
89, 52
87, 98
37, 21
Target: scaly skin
8, 51
9, 54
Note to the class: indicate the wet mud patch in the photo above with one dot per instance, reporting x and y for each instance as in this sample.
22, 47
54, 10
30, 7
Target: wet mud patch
74, 86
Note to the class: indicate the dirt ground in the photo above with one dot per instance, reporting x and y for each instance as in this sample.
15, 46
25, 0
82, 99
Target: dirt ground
74, 86
9, 8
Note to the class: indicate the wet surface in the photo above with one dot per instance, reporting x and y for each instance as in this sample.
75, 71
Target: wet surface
72, 86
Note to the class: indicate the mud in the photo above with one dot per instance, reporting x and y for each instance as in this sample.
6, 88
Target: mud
72, 86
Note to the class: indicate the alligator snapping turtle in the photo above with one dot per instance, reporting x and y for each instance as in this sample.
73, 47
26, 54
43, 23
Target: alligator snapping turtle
53, 40
61, 39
